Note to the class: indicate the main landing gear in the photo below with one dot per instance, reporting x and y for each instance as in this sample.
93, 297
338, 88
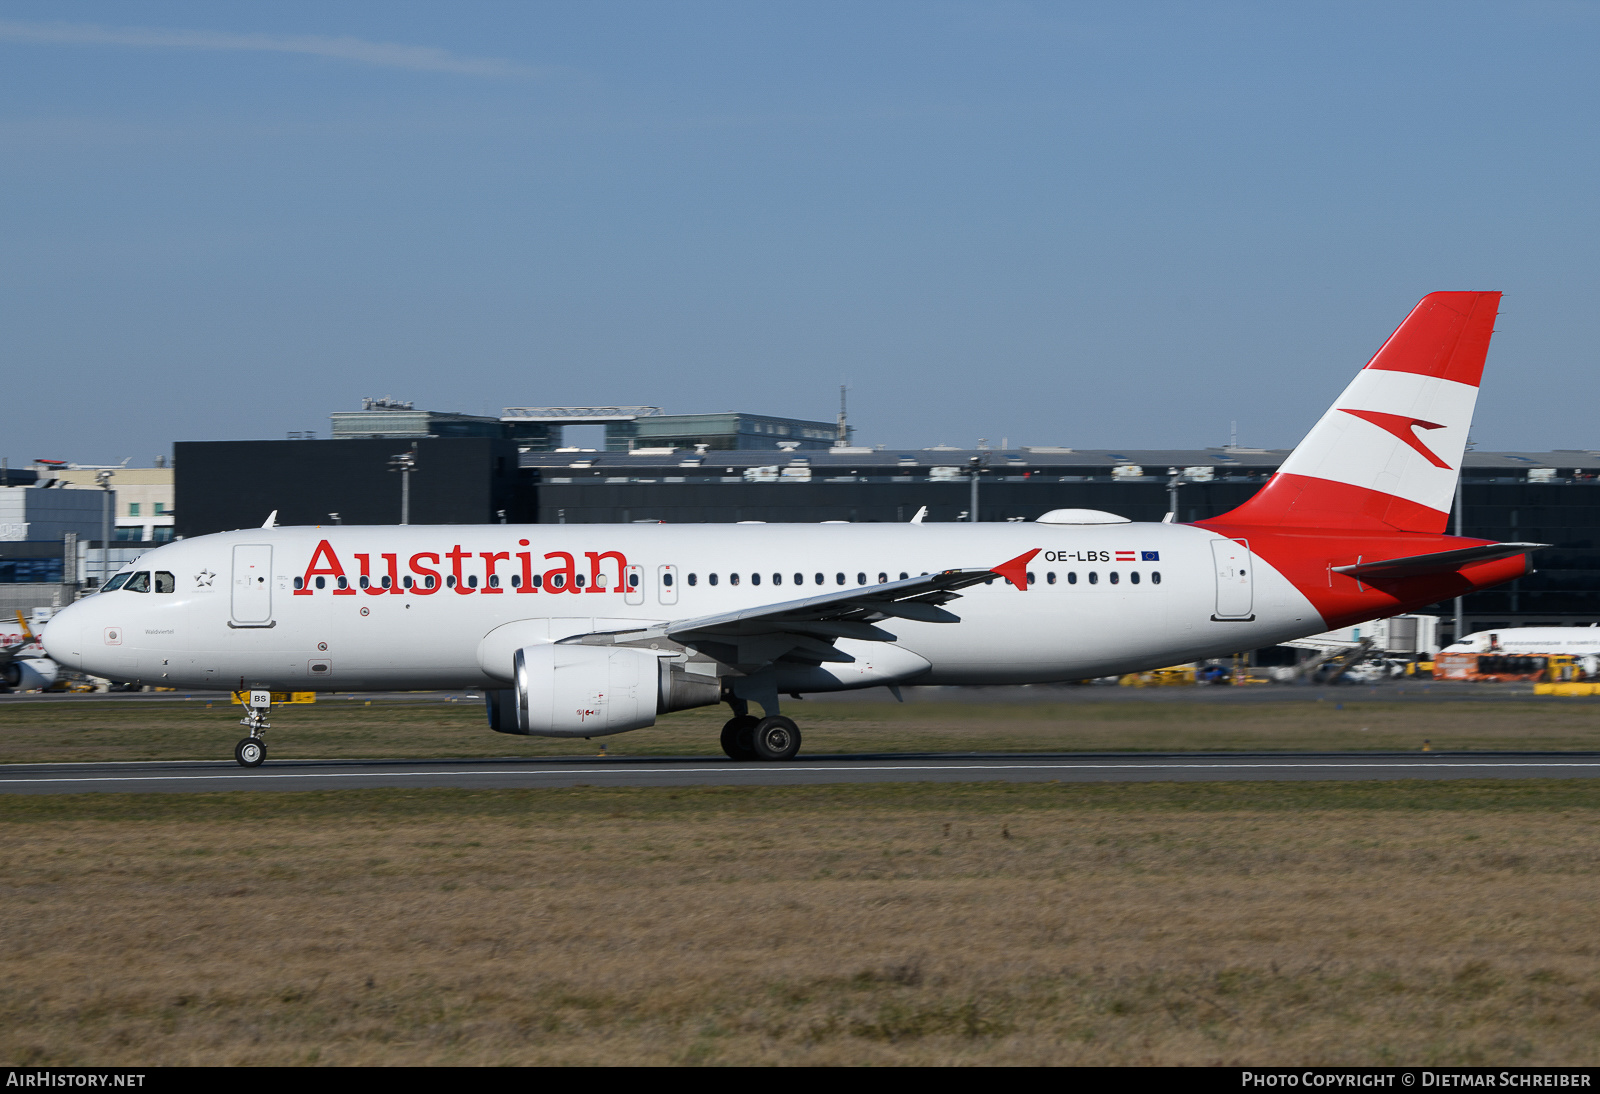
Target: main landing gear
252, 751
747, 737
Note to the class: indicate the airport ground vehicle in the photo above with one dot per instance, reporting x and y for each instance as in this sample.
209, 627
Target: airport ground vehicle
586, 630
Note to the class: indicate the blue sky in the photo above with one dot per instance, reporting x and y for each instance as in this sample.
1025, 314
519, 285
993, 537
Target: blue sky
1062, 224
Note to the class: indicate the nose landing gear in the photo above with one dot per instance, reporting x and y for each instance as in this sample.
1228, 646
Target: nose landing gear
252, 751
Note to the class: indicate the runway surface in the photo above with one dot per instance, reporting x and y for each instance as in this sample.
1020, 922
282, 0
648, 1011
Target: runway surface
192, 776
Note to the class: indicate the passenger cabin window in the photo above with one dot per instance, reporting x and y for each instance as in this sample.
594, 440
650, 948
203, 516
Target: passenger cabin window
116, 583
733, 579
777, 579
364, 582
1072, 577
472, 581
755, 579
1155, 577
861, 579
1114, 577
139, 582
838, 579
343, 584
1134, 577
516, 581
300, 583
712, 579
883, 579
165, 582
903, 575
1050, 578
819, 579
1030, 577
1094, 578
694, 579
322, 583
406, 581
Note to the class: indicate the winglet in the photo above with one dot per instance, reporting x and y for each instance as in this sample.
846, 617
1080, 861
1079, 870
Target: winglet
27, 631
1016, 571
271, 521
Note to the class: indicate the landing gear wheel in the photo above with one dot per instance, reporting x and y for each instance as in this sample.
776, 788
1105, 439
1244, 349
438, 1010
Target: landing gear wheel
736, 737
775, 738
250, 752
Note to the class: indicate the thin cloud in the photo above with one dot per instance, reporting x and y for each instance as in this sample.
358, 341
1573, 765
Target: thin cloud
385, 54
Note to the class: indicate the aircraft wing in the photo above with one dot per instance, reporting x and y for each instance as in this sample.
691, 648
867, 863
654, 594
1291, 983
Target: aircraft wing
1437, 563
805, 629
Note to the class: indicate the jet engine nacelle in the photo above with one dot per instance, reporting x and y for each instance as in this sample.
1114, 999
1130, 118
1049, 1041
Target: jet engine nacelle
29, 674
591, 691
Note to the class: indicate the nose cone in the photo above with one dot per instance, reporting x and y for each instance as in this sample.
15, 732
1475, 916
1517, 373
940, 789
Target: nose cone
63, 636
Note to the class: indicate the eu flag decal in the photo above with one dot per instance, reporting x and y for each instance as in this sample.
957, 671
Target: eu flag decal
1150, 556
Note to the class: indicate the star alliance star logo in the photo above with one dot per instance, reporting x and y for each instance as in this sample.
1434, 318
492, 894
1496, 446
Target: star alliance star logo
203, 579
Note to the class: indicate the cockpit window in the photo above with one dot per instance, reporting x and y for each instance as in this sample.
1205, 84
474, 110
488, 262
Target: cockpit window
138, 583
116, 583
165, 582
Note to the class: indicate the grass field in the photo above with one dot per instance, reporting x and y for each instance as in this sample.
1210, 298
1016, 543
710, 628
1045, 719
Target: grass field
1256, 923
140, 730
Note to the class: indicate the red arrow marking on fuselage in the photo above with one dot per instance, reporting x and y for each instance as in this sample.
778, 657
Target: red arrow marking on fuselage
1402, 426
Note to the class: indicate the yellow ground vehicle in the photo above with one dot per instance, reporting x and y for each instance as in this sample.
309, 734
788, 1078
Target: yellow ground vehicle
1175, 676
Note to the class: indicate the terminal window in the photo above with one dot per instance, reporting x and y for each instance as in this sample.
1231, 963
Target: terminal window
19, 571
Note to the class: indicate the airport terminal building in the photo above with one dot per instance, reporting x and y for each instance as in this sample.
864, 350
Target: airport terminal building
724, 468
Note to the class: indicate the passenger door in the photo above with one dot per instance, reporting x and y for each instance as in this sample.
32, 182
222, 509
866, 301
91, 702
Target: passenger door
252, 585
1235, 590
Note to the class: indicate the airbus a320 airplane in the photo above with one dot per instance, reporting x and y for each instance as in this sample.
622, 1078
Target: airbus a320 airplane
586, 630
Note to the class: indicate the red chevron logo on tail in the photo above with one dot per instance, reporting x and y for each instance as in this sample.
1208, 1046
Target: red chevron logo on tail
1402, 427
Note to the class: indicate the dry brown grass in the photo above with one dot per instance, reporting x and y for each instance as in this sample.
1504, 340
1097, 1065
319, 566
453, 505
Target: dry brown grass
32, 732
1257, 923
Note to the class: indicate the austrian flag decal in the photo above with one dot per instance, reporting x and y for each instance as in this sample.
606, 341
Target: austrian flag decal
1126, 556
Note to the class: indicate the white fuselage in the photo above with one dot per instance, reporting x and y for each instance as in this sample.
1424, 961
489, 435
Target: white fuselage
1104, 599
1577, 641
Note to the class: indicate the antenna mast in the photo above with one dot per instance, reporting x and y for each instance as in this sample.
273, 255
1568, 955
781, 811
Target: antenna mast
841, 433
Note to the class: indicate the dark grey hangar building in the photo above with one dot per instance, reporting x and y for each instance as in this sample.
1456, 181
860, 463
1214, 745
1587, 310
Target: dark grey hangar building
1545, 497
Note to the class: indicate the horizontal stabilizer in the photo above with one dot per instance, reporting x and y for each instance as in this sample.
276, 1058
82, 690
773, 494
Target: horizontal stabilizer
1437, 563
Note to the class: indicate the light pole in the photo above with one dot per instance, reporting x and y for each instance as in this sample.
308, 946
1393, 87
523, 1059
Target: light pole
1461, 474
405, 463
1172, 495
103, 477
976, 464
